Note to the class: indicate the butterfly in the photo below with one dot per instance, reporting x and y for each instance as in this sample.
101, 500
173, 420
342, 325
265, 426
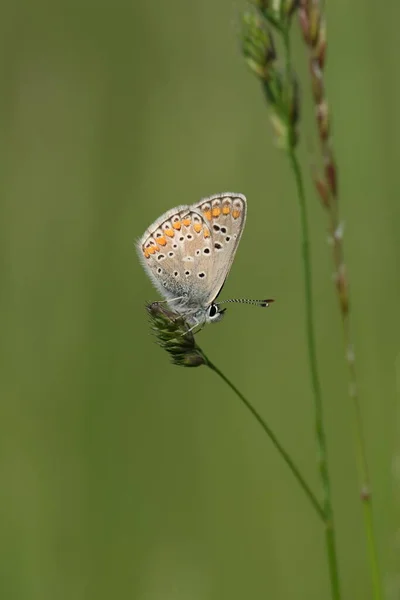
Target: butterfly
188, 253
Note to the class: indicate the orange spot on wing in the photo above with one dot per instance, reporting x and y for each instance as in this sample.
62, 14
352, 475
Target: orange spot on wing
235, 214
197, 227
226, 209
207, 214
206, 232
151, 249
186, 222
176, 225
146, 253
216, 211
162, 241
169, 232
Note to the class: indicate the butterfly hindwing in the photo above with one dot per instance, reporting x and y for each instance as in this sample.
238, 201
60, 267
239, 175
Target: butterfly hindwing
172, 250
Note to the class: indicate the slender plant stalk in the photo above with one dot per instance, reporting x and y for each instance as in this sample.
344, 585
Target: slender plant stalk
313, 26
281, 91
278, 446
318, 405
312, 352
173, 334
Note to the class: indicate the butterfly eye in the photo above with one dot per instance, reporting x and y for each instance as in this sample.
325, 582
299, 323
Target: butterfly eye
213, 310
214, 313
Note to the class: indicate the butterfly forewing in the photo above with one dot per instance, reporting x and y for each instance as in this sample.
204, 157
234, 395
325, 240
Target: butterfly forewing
225, 215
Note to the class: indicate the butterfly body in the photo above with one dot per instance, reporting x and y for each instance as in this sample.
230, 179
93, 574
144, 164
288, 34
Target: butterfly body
188, 253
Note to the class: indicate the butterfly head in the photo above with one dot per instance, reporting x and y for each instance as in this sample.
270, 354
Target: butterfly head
211, 314
214, 313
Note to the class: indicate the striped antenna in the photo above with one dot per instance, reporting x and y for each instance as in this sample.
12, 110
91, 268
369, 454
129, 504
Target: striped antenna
263, 303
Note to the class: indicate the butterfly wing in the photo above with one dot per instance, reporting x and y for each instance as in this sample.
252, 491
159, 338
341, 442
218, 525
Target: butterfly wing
225, 215
188, 251
170, 250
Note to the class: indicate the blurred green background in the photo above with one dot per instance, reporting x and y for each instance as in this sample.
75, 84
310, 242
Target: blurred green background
121, 475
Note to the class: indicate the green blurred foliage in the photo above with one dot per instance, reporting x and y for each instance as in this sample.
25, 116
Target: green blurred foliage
121, 475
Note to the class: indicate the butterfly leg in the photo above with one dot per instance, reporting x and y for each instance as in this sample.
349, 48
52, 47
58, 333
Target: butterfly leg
170, 300
192, 327
199, 324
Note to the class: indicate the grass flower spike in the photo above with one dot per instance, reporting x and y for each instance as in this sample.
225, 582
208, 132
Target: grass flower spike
261, 56
172, 334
